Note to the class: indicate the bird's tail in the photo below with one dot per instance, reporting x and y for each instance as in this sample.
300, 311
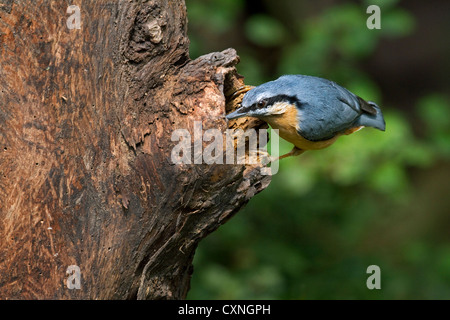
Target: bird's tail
372, 119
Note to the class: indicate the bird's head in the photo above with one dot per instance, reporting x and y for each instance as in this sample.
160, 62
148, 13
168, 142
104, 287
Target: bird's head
267, 100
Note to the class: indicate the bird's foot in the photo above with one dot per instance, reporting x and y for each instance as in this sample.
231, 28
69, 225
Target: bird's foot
260, 156
293, 153
265, 158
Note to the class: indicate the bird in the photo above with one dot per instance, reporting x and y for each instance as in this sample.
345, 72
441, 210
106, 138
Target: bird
308, 111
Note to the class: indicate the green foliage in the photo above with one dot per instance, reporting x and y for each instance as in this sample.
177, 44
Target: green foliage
265, 31
219, 16
434, 109
327, 215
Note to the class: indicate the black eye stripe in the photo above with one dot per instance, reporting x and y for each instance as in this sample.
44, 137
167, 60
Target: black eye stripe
279, 98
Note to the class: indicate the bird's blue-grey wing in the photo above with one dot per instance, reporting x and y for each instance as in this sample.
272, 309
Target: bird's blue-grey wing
336, 109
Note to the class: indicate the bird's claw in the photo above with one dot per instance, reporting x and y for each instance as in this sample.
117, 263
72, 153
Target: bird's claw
262, 156
266, 158
293, 153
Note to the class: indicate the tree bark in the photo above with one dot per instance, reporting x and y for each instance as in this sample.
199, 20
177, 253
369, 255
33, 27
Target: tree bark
86, 177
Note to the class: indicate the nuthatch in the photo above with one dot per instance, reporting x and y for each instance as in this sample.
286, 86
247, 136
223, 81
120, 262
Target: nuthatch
309, 112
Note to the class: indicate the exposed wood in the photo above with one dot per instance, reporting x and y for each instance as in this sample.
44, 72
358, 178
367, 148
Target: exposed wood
86, 178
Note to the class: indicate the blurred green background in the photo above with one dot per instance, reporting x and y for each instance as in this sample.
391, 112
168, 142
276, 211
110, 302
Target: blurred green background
371, 198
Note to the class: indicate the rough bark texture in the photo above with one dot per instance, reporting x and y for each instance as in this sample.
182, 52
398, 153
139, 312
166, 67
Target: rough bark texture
86, 178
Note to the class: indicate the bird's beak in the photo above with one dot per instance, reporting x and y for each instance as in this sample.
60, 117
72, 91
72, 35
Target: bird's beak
236, 114
239, 113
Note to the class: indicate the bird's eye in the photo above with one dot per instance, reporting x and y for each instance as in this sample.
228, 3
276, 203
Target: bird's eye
262, 103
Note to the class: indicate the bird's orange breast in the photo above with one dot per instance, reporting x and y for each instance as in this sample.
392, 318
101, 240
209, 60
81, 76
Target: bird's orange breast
288, 125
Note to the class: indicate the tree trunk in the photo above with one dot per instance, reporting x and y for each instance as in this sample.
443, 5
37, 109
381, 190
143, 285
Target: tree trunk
86, 177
